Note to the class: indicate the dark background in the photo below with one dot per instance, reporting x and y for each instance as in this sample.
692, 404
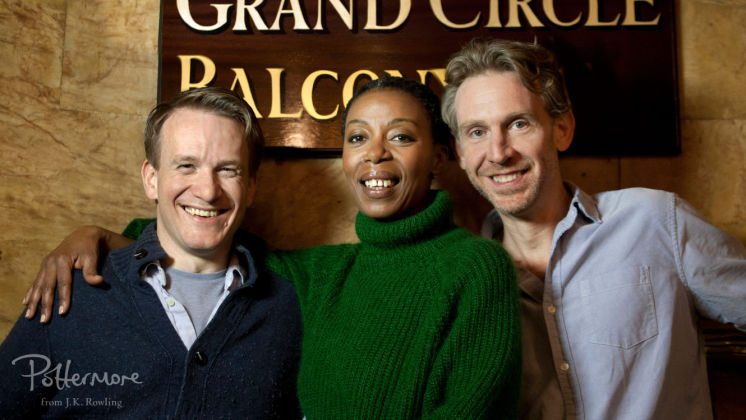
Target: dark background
622, 79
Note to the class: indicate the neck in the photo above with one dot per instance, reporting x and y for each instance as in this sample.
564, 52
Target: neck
191, 263
528, 236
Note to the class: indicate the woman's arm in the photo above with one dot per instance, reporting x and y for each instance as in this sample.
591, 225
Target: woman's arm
477, 369
80, 250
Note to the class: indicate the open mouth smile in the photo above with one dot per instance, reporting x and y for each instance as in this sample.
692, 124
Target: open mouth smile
378, 184
506, 178
202, 213
379, 181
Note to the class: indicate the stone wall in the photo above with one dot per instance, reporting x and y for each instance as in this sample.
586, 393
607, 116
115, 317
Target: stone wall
77, 78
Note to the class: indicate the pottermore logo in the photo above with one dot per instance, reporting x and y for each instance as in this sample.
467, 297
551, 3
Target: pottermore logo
42, 373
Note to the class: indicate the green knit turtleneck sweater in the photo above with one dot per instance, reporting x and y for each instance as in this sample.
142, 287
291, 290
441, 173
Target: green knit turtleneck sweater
419, 319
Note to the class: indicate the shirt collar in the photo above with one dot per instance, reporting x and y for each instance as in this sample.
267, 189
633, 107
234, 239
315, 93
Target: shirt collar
235, 275
492, 227
583, 202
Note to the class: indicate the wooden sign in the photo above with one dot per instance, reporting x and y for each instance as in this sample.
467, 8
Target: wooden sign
298, 62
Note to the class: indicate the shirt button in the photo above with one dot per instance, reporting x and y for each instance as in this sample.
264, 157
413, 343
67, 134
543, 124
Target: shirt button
564, 367
170, 301
552, 309
140, 254
200, 358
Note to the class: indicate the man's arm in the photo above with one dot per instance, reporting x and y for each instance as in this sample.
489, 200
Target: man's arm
713, 266
80, 250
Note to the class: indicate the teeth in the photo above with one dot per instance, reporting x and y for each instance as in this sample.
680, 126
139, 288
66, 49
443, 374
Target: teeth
379, 183
201, 213
501, 179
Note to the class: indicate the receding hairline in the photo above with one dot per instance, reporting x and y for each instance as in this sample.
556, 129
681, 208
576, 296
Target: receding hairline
238, 125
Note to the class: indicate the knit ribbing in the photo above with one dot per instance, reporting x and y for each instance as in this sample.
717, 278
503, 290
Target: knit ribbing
434, 220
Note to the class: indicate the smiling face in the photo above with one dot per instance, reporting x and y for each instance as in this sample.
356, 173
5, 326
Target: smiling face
507, 143
202, 187
389, 154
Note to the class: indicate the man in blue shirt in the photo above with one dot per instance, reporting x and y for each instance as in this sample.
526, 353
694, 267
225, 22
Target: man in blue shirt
185, 323
612, 284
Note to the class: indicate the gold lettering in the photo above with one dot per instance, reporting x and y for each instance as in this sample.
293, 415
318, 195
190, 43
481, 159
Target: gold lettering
513, 19
242, 9
186, 15
186, 71
306, 94
243, 81
395, 73
630, 17
593, 19
344, 14
437, 8
439, 74
296, 11
494, 16
349, 86
275, 111
552, 16
372, 25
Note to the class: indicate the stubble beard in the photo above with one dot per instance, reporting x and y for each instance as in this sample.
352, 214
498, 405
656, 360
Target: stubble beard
517, 209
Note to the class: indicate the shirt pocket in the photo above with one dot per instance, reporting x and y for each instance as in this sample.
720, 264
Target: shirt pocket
619, 307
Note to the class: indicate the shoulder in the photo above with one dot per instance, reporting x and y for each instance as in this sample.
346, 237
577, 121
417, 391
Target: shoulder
113, 285
473, 259
318, 255
640, 198
281, 288
637, 205
463, 245
308, 265
124, 264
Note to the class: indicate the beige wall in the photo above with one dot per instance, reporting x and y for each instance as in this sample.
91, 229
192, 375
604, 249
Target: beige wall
77, 78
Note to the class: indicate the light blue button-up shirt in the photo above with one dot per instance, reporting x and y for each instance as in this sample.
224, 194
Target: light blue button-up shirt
612, 332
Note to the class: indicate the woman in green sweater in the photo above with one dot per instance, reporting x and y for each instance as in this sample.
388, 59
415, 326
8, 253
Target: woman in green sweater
419, 319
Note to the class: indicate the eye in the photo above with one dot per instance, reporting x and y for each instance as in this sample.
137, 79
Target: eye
477, 132
520, 124
185, 167
402, 138
229, 171
355, 138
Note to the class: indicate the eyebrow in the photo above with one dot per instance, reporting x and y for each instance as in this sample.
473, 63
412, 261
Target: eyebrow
183, 159
510, 117
192, 159
230, 163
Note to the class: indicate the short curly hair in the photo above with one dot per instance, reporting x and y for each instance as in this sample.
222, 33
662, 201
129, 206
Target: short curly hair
536, 66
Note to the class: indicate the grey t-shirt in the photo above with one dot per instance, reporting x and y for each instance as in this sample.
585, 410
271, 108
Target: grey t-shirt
199, 293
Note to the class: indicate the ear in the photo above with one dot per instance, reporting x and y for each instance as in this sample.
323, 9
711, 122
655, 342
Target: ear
149, 180
563, 130
440, 156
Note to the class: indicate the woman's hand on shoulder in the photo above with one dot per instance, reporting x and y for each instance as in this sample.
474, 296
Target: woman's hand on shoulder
79, 250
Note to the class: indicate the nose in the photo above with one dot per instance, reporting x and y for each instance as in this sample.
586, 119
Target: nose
500, 150
207, 186
377, 150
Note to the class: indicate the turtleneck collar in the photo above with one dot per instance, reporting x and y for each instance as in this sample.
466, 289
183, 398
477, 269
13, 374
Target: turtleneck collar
435, 219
